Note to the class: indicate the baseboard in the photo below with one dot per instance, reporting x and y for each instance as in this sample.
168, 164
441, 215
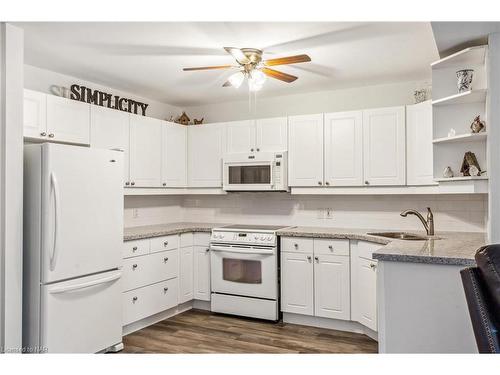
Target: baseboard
340, 325
201, 305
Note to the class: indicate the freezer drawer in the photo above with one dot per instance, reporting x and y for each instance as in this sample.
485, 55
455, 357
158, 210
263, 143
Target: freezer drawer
149, 300
82, 315
150, 269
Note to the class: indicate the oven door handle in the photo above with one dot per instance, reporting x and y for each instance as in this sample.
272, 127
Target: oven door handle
249, 251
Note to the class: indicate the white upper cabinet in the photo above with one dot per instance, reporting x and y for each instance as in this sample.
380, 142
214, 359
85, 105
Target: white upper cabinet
174, 155
35, 115
240, 136
384, 146
205, 149
109, 129
297, 283
68, 120
305, 150
271, 134
419, 166
344, 149
332, 297
145, 151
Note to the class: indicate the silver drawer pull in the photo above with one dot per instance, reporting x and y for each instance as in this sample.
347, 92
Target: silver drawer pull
165, 243
165, 290
134, 248
309, 258
134, 300
207, 250
296, 245
373, 266
165, 260
134, 266
330, 247
316, 259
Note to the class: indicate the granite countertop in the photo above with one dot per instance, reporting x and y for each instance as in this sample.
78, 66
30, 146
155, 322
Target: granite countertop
453, 248
149, 231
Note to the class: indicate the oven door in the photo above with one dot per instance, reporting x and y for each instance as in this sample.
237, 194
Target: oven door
248, 176
244, 271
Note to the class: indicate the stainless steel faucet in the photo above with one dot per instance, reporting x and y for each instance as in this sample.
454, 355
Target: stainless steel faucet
428, 224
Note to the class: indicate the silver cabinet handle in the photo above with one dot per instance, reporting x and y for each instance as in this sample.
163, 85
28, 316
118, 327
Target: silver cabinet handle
127, 183
117, 149
330, 247
51, 135
164, 184
320, 183
43, 134
134, 266
207, 250
165, 243
134, 299
367, 182
258, 149
296, 245
251, 149
134, 249
132, 183
327, 183
165, 260
373, 266
309, 258
57, 225
165, 290
316, 259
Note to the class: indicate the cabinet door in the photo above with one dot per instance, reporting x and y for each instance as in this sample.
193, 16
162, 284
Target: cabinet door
305, 150
272, 134
240, 136
419, 166
384, 146
332, 298
174, 155
68, 120
34, 114
297, 291
185, 274
145, 151
364, 307
205, 148
109, 129
202, 273
344, 149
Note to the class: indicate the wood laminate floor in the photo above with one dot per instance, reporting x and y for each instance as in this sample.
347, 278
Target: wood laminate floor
197, 331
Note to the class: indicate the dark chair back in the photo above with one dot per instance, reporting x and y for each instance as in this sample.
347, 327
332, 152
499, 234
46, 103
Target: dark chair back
482, 291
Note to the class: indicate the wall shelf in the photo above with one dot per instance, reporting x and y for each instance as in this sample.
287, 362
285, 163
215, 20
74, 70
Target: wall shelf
468, 57
466, 178
471, 96
470, 137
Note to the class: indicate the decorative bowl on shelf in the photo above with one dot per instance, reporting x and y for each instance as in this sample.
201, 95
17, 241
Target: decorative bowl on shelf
464, 79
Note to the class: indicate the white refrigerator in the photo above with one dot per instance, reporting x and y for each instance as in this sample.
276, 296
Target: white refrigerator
73, 234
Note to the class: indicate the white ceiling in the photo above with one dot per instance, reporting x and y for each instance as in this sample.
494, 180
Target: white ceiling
147, 58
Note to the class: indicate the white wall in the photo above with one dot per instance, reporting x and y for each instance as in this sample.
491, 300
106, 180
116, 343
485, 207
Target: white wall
41, 80
313, 102
451, 212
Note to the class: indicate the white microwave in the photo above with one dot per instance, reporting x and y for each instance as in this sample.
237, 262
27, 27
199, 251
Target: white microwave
259, 171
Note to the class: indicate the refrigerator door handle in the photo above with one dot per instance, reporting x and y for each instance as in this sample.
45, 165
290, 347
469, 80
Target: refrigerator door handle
55, 187
70, 288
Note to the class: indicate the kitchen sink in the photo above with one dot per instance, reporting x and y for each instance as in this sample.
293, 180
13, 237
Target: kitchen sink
402, 236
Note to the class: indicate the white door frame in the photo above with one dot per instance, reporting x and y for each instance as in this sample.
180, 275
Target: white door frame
11, 182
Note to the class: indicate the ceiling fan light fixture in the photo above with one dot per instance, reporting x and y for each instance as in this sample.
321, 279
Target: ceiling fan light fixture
236, 79
256, 80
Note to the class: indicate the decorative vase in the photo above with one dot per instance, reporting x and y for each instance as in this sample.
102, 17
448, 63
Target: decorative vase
420, 96
447, 173
464, 79
477, 125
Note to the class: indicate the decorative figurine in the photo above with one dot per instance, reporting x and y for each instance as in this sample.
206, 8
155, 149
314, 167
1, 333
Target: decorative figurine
420, 96
464, 79
198, 122
477, 125
447, 173
451, 133
469, 161
183, 119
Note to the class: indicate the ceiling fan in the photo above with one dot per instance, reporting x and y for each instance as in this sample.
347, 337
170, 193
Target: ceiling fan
253, 68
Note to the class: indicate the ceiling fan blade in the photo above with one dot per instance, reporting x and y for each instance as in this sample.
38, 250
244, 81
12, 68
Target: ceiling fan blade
208, 67
238, 55
288, 78
227, 84
287, 60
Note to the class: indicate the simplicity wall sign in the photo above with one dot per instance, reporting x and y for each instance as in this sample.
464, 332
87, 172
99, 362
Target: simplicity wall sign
85, 94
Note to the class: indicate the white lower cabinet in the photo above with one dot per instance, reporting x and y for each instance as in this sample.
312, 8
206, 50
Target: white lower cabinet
332, 287
297, 283
186, 277
201, 273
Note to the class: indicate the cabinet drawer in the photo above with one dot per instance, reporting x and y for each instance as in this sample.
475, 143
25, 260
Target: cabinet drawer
135, 248
366, 249
186, 239
143, 302
164, 243
201, 238
297, 244
331, 246
149, 269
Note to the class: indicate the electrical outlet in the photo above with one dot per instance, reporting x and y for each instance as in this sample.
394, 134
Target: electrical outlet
328, 213
135, 213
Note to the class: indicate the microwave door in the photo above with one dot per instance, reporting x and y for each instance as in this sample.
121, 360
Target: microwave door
249, 176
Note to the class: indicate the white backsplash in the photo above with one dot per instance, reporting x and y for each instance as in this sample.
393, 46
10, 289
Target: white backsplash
451, 212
